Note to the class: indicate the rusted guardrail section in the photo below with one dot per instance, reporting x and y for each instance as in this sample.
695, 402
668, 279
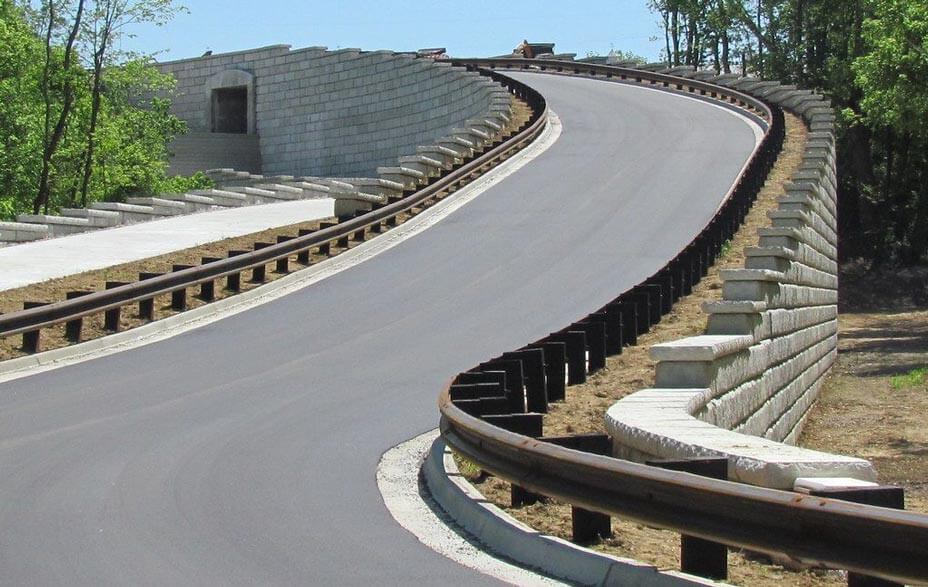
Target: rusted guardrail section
662, 80
493, 414
31, 321
876, 541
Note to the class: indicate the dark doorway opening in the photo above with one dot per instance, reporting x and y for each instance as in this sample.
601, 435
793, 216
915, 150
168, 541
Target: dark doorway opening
230, 110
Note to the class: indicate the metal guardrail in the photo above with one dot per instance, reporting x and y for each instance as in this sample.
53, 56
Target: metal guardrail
876, 541
492, 414
665, 81
31, 321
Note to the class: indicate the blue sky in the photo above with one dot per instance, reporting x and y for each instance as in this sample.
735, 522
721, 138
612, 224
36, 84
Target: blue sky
466, 28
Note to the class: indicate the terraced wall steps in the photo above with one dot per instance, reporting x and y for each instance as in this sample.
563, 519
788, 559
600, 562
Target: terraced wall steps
744, 389
336, 113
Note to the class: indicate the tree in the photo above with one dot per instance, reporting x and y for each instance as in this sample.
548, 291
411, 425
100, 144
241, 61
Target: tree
106, 24
869, 58
893, 78
20, 112
52, 135
67, 128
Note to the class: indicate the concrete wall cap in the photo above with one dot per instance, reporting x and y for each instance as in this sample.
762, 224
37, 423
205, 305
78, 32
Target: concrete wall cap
706, 347
751, 275
24, 227
734, 307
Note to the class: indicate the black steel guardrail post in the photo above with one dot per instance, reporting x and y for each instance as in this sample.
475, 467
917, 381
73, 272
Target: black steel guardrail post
32, 340
595, 343
886, 496
533, 370
703, 558
586, 525
303, 256
282, 265
514, 383
555, 356
208, 288
575, 350
113, 316
234, 280
179, 296
74, 328
147, 306
259, 272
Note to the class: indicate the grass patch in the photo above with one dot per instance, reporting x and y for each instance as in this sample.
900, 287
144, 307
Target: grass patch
914, 377
725, 250
468, 468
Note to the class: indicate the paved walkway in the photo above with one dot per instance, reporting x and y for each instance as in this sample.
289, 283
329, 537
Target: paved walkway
39, 261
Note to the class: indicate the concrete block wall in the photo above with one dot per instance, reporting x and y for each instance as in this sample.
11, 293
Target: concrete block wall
337, 113
744, 389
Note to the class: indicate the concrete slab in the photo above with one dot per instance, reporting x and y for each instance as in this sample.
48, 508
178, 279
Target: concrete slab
38, 261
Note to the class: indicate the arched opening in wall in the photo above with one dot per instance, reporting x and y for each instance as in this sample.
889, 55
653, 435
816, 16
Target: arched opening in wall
230, 110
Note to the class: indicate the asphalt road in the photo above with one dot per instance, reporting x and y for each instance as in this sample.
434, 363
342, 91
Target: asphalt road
244, 452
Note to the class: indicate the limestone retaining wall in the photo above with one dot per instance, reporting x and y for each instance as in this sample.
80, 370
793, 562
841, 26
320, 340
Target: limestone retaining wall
744, 389
335, 113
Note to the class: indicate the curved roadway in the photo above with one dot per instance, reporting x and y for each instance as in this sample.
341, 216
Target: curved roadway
244, 452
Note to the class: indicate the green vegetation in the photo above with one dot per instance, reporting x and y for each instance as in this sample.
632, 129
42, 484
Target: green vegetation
870, 57
79, 120
911, 379
726, 248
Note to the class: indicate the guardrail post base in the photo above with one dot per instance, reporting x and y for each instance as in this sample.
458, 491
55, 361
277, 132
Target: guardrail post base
259, 273
587, 526
282, 265
700, 557
528, 425
179, 296
234, 280
575, 349
887, 496
111, 318
302, 257
32, 340
74, 328
147, 307
208, 288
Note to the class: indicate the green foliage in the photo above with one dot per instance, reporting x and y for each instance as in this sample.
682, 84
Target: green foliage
180, 184
911, 379
133, 127
893, 74
870, 57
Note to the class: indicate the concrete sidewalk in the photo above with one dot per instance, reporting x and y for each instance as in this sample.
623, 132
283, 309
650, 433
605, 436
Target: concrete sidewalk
42, 260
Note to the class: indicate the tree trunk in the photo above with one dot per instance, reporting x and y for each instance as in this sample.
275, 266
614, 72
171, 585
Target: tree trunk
759, 34
41, 200
91, 131
726, 61
665, 15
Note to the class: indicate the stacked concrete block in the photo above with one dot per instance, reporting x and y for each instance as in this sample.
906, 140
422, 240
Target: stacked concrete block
744, 389
129, 213
57, 225
160, 206
22, 232
194, 203
96, 218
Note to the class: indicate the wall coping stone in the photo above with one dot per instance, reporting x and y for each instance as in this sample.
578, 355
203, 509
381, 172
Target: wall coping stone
705, 347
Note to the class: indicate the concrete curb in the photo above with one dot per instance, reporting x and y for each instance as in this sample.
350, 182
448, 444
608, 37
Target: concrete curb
512, 539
